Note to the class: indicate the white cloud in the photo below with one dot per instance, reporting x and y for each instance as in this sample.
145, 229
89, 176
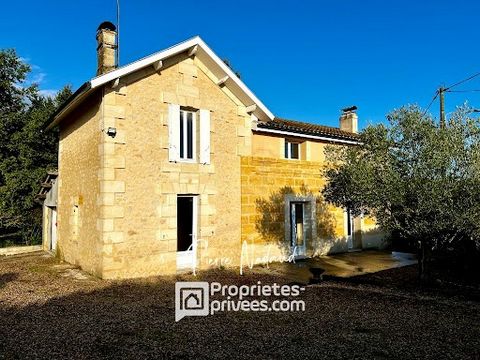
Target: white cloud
48, 92
38, 78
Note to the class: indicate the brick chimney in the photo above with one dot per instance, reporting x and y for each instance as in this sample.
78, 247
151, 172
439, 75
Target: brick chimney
349, 120
106, 47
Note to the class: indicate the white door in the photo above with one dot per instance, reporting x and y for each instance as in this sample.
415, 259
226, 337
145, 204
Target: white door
187, 231
53, 230
297, 222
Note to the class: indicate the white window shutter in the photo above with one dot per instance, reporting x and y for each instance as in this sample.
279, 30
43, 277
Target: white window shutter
173, 132
204, 136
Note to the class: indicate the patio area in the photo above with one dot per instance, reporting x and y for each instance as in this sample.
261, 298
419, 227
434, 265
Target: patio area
339, 265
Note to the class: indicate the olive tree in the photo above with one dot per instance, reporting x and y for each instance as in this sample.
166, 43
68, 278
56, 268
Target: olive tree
420, 181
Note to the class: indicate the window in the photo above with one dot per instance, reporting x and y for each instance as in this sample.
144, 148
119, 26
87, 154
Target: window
349, 222
292, 150
187, 135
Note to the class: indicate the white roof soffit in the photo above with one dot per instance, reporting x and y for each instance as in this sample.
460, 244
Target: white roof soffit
211, 60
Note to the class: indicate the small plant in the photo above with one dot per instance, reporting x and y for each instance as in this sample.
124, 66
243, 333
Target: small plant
32, 235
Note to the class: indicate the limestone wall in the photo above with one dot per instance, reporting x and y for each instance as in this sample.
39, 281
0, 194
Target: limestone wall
117, 206
273, 146
139, 185
78, 186
265, 182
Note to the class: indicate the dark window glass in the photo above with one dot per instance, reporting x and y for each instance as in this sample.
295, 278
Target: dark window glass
349, 222
294, 151
182, 142
189, 136
286, 149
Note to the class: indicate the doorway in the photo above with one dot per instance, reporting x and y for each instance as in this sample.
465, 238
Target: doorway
53, 229
186, 231
352, 227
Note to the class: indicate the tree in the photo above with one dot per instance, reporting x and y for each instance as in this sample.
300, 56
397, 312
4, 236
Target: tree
229, 64
419, 180
26, 151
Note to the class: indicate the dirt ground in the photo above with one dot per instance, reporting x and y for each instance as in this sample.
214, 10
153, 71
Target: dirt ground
54, 311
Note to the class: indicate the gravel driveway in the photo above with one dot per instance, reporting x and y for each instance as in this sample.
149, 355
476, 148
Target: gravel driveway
50, 310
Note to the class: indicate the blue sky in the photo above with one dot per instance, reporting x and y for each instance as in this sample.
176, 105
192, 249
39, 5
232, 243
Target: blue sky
304, 59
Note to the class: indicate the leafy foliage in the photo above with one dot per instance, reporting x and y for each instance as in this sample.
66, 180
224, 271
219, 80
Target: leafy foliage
26, 151
420, 181
229, 64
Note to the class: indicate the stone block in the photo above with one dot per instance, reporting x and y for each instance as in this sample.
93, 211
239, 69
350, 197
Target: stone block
105, 224
106, 174
106, 198
114, 211
112, 186
169, 97
187, 90
113, 237
114, 161
115, 111
187, 69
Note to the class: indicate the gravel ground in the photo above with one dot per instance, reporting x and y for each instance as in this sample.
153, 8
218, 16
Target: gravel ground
50, 310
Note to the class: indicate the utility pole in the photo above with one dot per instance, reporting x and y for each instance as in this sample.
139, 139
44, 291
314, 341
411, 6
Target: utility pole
441, 92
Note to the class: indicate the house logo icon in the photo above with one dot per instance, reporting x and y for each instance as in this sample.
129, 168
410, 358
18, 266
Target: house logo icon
191, 299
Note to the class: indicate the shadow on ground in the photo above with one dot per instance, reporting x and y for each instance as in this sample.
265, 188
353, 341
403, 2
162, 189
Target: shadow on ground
6, 278
89, 319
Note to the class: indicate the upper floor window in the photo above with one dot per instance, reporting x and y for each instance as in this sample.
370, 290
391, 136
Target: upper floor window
292, 149
187, 135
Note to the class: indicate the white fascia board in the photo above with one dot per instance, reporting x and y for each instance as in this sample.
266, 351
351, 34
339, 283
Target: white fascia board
235, 78
184, 46
65, 111
323, 138
146, 61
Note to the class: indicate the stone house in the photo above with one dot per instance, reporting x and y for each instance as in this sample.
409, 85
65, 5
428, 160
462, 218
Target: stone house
171, 163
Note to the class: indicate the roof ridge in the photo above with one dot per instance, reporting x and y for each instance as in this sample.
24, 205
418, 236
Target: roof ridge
309, 123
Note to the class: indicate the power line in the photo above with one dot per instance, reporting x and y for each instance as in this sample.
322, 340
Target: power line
463, 81
442, 90
463, 91
431, 102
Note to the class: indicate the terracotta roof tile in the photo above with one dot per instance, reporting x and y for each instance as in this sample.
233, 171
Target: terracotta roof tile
307, 129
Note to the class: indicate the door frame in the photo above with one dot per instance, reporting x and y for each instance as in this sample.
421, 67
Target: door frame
297, 251
53, 229
188, 259
309, 224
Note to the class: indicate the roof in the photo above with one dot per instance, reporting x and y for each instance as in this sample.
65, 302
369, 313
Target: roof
46, 185
267, 121
280, 125
197, 46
